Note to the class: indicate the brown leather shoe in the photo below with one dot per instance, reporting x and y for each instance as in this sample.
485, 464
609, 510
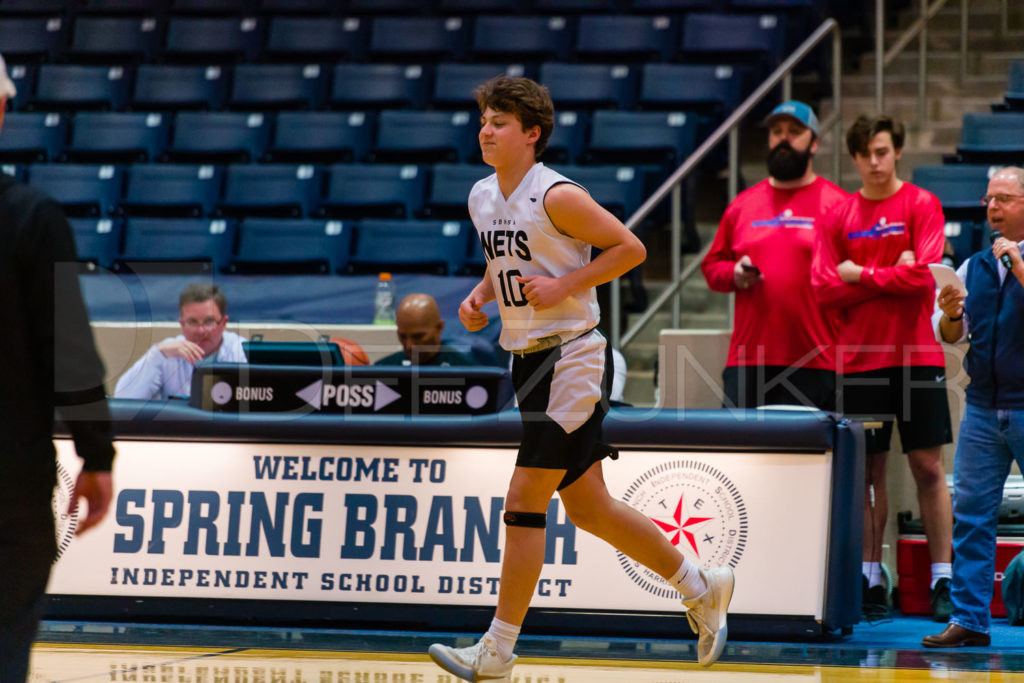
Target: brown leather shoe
957, 636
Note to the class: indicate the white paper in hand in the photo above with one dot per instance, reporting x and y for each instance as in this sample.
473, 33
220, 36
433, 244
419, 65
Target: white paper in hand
944, 275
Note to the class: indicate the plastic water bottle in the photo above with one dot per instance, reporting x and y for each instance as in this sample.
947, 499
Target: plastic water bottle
384, 301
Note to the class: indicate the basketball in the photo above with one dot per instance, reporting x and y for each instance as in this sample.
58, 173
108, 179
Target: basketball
351, 351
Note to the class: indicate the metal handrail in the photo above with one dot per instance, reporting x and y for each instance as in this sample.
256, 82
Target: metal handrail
729, 128
919, 30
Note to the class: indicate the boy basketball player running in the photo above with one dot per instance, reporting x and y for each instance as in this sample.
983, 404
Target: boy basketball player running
537, 229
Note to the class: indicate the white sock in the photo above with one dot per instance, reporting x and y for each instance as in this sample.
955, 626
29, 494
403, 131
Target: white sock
505, 635
688, 580
941, 570
873, 572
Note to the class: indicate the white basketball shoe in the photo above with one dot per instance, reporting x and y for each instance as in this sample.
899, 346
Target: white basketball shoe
707, 613
480, 662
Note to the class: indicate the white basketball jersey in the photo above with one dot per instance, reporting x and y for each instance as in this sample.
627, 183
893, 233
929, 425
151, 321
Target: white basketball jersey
519, 239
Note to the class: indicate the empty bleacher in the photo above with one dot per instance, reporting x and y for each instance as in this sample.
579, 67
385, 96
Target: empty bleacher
247, 135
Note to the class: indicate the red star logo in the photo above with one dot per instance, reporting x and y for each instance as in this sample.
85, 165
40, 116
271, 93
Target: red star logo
680, 527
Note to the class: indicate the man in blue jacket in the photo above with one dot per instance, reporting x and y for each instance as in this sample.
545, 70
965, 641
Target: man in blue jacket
991, 317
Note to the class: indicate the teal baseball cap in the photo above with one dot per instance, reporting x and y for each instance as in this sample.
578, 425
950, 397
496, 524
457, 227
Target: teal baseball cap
795, 109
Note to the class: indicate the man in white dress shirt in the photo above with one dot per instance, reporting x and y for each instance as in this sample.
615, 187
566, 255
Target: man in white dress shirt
165, 370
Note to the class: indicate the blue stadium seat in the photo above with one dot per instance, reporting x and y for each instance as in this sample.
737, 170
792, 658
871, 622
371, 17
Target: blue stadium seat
97, 240
454, 83
618, 38
319, 39
373, 191
592, 6
162, 87
992, 138
675, 5
378, 86
514, 39
76, 87
109, 40
417, 38
219, 137
24, 78
801, 16
966, 237
715, 89
276, 190
300, 6
1015, 85
281, 245
421, 246
479, 6
172, 190
208, 40
210, 7
449, 190
321, 136
177, 244
34, 7
568, 138
33, 136
261, 87
32, 39
426, 136
734, 37
476, 261
121, 7
122, 137
17, 171
590, 86
619, 189
83, 190
958, 186
662, 138
773, 4
392, 6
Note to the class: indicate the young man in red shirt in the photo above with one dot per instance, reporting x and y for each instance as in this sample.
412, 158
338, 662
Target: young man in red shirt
871, 264
782, 348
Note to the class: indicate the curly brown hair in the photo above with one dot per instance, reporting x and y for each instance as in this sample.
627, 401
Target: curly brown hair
528, 100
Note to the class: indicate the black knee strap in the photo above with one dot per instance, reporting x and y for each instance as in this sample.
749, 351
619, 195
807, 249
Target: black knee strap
534, 520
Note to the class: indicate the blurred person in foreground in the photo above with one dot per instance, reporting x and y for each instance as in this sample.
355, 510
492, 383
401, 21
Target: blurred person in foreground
48, 360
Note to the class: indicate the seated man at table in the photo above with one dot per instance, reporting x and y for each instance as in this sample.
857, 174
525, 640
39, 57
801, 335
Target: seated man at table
419, 331
165, 370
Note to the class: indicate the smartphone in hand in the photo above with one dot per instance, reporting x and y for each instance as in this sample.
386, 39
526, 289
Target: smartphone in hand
750, 268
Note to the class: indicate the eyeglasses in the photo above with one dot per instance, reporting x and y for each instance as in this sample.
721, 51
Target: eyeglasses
193, 324
1000, 198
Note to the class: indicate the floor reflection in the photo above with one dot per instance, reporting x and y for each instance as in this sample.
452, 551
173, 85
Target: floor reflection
67, 663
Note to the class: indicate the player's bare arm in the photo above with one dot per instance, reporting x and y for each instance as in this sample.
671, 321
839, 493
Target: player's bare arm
469, 310
576, 214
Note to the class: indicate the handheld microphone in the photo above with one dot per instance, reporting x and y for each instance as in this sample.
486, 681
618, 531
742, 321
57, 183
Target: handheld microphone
1005, 258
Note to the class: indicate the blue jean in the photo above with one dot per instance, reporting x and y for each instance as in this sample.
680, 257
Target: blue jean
990, 440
